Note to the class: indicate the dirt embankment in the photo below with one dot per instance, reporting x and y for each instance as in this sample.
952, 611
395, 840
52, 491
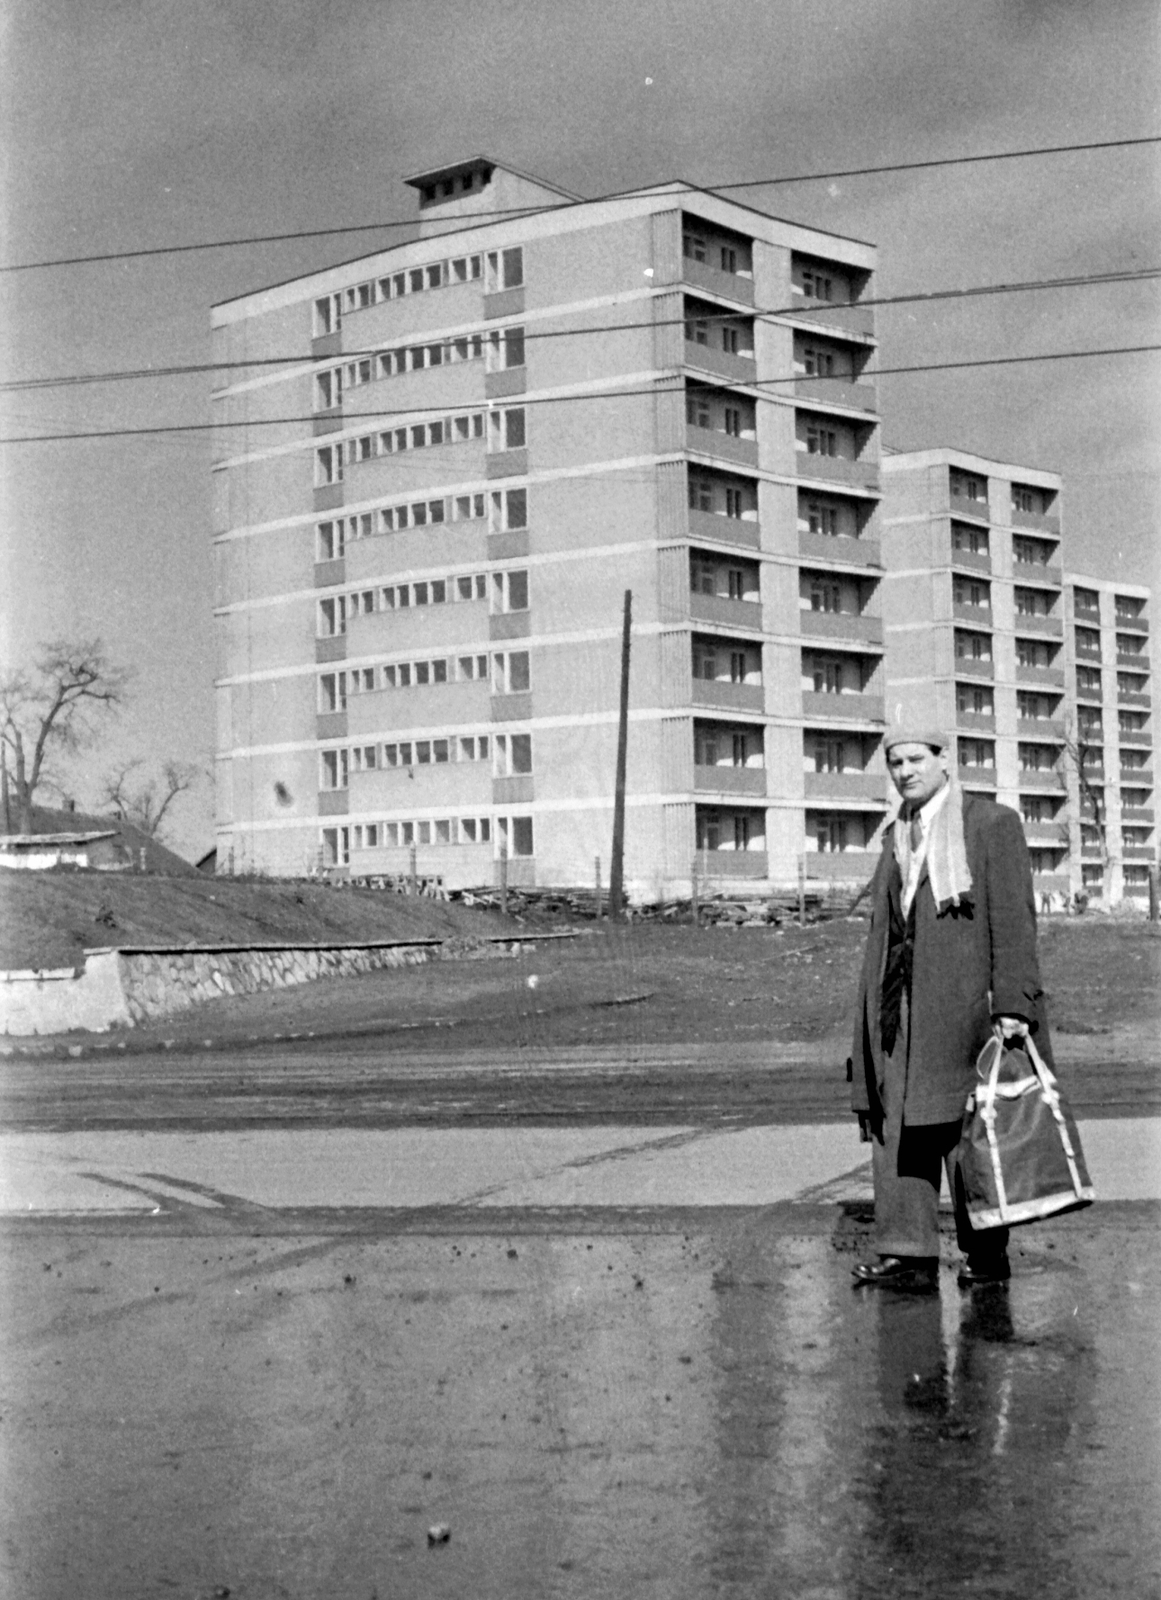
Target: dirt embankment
48, 919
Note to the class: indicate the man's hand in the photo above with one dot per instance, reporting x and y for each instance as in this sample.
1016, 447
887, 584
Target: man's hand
1011, 1027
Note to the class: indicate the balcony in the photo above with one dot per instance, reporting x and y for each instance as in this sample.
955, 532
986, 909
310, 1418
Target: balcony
1140, 737
1040, 728
1138, 852
330, 725
1037, 572
327, 421
730, 780
977, 777
969, 561
1033, 625
333, 649
719, 608
1039, 779
519, 789
841, 866
726, 446
851, 552
1137, 660
719, 694
729, 285
1037, 521
1138, 623
735, 368
975, 721
840, 470
847, 316
326, 344
712, 864
1052, 834
719, 529
1093, 696
847, 707
973, 667
1089, 614
512, 707
821, 786
329, 572
845, 625
1044, 677
505, 302
1137, 814
1136, 777
509, 625
1132, 697
978, 617
507, 463
327, 496
961, 506
510, 380
834, 392
333, 802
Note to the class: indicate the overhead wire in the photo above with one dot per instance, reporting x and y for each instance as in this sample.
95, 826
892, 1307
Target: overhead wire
1073, 281
678, 381
636, 194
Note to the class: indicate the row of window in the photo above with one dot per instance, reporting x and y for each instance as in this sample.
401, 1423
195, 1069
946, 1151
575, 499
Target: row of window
511, 835
504, 509
978, 647
511, 756
504, 348
1127, 682
977, 592
510, 674
508, 591
1128, 607
505, 431
497, 269
968, 486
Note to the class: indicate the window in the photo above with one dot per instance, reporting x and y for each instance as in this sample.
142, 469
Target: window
1090, 723
332, 617
1130, 644
696, 330
1134, 760
729, 259
365, 758
730, 341
965, 486
1031, 552
1033, 707
510, 672
974, 702
511, 754
973, 646
701, 492
965, 592
332, 692
328, 389
1086, 600
737, 666
509, 510
831, 834
1033, 603
1036, 757
507, 429
1090, 678
732, 421
509, 591
328, 315
734, 503
976, 753
333, 766
972, 541
697, 409
1131, 721
736, 583
821, 441
328, 465
335, 847
693, 246
1128, 607
505, 349
708, 830
1025, 499
740, 750
1088, 642
1033, 653
705, 660
825, 595
1037, 808
829, 755
505, 269
828, 677
471, 668
330, 541
702, 576
822, 518
817, 361
522, 836
817, 285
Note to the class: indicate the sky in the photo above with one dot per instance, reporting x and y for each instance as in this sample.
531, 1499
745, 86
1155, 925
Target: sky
129, 124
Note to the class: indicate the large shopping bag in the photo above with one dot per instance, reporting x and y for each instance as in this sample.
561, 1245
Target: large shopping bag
1019, 1154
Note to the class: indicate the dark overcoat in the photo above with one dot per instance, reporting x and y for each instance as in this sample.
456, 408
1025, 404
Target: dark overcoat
971, 962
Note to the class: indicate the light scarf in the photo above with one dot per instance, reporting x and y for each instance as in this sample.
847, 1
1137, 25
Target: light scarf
948, 872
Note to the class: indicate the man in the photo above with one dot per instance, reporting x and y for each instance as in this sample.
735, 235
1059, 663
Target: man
951, 952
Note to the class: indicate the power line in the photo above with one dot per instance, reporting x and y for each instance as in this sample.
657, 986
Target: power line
1076, 281
597, 394
516, 211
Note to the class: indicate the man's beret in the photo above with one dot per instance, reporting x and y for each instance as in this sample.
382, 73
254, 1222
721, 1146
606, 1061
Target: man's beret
905, 735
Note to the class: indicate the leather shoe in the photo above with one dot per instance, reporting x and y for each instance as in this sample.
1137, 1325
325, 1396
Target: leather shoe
910, 1273
997, 1269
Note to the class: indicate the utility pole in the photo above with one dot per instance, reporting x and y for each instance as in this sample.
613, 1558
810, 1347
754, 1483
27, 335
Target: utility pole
617, 865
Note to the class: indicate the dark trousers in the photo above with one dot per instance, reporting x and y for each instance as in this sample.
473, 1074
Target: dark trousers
906, 1168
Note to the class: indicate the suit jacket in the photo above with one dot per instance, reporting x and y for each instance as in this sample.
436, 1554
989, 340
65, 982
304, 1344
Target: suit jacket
971, 961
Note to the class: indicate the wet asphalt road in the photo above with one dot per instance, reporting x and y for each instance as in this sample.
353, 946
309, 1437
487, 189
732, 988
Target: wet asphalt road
669, 1401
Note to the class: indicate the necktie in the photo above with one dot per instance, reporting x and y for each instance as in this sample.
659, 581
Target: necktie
915, 838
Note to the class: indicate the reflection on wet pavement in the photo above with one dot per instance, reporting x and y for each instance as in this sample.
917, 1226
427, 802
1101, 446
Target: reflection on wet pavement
655, 1406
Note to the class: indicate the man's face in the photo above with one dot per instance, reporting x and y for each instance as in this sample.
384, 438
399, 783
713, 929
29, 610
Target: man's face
917, 771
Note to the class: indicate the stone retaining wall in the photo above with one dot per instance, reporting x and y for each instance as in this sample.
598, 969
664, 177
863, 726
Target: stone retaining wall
120, 988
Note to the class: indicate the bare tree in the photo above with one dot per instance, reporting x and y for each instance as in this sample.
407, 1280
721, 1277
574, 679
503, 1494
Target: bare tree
51, 709
146, 801
1086, 754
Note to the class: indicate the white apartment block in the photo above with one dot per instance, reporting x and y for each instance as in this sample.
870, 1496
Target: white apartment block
439, 468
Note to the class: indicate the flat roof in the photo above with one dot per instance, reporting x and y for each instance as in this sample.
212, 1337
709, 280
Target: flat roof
456, 169
942, 454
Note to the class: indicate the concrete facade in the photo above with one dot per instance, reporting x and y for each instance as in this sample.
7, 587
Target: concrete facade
1114, 839
425, 526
